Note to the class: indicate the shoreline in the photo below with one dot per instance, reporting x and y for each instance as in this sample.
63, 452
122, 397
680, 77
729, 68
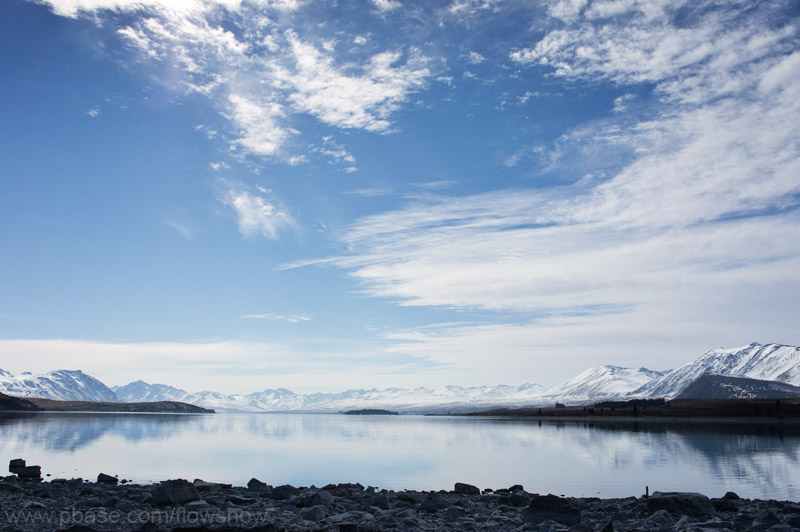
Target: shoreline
109, 504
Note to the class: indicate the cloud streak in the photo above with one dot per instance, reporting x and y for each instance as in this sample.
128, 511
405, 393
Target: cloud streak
697, 230
256, 214
261, 67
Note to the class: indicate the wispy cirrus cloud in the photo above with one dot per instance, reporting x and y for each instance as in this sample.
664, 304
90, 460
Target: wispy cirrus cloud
700, 210
290, 318
261, 67
257, 214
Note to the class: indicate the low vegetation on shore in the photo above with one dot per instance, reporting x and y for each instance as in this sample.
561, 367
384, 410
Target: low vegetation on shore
762, 409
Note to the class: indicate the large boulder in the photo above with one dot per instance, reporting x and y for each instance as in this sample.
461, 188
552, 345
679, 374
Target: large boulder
466, 489
31, 472
433, 502
684, 503
178, 491
558, 509
102, 478
16, 465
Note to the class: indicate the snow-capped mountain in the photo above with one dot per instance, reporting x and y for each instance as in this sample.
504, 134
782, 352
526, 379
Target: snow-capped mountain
773, 362
602, 382
710, 386
142, 392
63, 385
443, 398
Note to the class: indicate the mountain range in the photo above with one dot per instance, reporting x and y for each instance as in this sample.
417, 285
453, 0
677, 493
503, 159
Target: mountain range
772, 362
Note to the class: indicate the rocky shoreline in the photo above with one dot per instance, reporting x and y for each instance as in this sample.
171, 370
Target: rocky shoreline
110, 504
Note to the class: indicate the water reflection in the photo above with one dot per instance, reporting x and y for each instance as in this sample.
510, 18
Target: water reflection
578, 458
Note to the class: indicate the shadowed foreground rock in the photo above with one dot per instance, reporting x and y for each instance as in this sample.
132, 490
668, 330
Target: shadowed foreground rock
183, 506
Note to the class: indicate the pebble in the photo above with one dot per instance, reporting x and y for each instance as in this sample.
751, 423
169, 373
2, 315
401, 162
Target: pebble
174, 505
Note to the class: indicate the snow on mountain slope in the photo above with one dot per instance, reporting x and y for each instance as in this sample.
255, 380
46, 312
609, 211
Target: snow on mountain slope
442, 398
773, 362
710, 386
142, 392
63, 385
602, 382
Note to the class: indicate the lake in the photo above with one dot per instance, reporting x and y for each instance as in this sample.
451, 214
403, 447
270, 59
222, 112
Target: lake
614, 459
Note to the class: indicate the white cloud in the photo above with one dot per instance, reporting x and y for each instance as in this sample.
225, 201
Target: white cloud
259, 132
256, 69
348, 100
694, 232
386, 5
94, 113
256, 215
475, 58
290, 318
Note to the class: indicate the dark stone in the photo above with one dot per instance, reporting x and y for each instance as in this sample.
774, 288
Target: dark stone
794, 521
33, 472
15, 465
516, 487
284, 492
725, 505
466, 489
608, 528
378, 501
520, 499
410, 496
433, 502
256, 485
550, 507
730, 495
766, 519
685, 503
178, 491
102, 478
318, 498
315, 513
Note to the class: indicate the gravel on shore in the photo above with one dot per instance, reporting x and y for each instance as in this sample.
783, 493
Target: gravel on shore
28, 504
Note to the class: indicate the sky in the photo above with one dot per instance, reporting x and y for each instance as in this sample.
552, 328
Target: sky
236, 195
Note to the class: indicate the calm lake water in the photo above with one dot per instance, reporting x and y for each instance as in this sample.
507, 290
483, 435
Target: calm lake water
413, 452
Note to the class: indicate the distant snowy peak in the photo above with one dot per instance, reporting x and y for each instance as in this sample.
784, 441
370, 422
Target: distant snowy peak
773, 362
602, 382
142, 392
443, 398
63, 385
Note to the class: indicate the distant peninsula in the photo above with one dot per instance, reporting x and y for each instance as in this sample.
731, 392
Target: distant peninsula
370, 412
34, 404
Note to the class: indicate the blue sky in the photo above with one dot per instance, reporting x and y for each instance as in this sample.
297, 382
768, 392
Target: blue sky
239, 195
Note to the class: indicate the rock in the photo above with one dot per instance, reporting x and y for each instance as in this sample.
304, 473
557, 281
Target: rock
102, 478
725, 505
466, 489
766, 519
730, 495
660, 518
315, 513
15, 465
516, 487
520, 499
550, 507
318, 498
256, 485
178, 491
284, 492
433, 502
33, 472
687, 503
